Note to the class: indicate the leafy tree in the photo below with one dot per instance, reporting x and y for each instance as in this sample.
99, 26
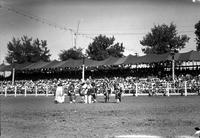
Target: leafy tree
197, 32
163, 39
27, 50
74, 53
116, 50
102, 47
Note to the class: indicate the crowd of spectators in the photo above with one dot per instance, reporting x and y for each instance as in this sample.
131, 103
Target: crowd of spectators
150, 85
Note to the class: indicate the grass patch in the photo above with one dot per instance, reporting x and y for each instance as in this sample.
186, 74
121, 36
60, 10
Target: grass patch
40, 117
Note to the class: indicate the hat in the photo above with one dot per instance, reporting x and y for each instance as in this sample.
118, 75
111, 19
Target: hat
59, 83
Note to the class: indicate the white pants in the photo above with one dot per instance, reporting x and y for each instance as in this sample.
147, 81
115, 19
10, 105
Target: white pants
85, 99
60, 99
88, 99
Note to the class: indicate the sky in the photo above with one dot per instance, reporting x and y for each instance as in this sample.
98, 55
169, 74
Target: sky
127, 20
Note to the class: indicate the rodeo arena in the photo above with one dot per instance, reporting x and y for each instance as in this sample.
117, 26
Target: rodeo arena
152, 75
85, 82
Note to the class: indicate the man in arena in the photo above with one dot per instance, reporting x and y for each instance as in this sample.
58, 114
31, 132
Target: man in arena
84, 91
106, 92
71, 93
59, 95
81, 91
118, 91
89, 92
94, 92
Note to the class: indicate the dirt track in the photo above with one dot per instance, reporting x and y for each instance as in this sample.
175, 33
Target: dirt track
39, 117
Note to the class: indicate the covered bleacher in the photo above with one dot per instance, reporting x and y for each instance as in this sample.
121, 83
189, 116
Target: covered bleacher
112, 65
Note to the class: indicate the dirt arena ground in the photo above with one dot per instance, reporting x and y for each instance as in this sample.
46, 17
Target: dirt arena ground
39, 117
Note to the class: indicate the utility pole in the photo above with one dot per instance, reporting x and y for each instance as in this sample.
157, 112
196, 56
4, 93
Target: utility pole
173, 64
13, 72
0, 49
75, 36
136, 54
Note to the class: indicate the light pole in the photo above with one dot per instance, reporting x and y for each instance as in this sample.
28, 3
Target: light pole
83, 69
173, 64
13, 72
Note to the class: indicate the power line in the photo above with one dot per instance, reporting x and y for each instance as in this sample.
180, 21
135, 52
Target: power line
111, 34
36, 18
42, 20
93, 34
49, 23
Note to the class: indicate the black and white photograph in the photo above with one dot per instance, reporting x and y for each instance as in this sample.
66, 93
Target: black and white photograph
100, 68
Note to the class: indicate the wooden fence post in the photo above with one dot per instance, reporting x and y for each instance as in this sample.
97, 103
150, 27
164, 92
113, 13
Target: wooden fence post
25, 91
47, 91
15, 89
185, 84
6, 88
167, 89
136, 89
35, 90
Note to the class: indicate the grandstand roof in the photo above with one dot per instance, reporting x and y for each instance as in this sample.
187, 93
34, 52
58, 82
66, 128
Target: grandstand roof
37, 65
109, 61
89, 62
71, 63
126, 60
16, 66
130, 59
189, 56
152, 58
50, 64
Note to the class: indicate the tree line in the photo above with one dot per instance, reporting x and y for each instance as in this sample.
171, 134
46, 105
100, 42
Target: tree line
161, 39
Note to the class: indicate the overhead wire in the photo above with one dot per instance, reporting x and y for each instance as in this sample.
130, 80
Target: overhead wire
42, 20
55, 25
36, 18
115, 33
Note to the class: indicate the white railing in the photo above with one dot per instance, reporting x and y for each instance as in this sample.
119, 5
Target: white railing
25, 91
166, 89
138, 89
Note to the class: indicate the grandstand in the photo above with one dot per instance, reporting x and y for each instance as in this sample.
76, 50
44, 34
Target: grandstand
138, 66
156, 69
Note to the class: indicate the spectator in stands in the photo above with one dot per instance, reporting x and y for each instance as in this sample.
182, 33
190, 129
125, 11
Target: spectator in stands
128, 84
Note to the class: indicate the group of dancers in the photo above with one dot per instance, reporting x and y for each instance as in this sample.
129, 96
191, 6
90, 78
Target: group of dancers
88, 90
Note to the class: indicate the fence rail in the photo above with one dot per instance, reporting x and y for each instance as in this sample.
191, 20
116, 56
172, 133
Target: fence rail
137, 89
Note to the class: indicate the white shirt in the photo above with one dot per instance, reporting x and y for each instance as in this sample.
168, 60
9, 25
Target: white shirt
60, 97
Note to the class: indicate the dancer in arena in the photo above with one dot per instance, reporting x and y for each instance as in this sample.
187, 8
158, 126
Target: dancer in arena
94, 92
110, 87
59, 95
84, 92
71, 93
106, 92
89, 92
78, 89
118, 92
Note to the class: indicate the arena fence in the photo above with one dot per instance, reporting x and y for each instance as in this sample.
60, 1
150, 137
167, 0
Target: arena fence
136, 89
